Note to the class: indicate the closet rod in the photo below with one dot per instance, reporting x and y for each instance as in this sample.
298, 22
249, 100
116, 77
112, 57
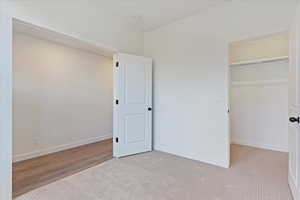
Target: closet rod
266, 60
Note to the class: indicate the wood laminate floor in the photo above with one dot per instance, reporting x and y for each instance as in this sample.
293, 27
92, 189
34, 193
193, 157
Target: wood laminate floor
255, 174
31, 174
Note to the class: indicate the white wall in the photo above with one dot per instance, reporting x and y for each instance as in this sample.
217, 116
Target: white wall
62, 97
190, 66
259, 102
87, 20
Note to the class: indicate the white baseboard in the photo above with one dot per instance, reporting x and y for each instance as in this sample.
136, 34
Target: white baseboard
46, 151
260, 145
211, 162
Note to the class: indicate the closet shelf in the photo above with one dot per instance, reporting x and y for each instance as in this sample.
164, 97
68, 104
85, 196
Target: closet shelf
264, 60
259, 82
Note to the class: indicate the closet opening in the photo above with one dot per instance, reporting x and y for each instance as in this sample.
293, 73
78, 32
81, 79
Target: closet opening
258, 95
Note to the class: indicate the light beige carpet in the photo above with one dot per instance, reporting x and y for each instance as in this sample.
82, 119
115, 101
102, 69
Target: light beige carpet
255, 175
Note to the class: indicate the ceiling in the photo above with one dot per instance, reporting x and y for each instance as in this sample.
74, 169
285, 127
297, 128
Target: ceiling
148, 14
156, 13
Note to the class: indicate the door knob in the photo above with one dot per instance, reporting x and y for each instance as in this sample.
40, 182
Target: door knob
149, 108
294, 119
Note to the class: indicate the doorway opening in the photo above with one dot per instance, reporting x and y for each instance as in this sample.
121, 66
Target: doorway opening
62, 106
75, 105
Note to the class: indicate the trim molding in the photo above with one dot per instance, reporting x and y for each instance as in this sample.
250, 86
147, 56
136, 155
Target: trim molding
292, 186
259, 145
54, 149
210, 162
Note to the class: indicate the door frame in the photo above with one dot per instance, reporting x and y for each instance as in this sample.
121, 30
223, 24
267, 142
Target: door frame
115, 98
228, 103
6, 87
6, 107
294, 108
293, 184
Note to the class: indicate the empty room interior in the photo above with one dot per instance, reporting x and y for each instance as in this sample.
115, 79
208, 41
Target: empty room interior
154, 100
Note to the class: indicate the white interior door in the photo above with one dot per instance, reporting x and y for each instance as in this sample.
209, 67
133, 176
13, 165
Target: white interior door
294, 139
132, 105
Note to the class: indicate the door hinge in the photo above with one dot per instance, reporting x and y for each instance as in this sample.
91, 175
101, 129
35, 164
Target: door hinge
117, 102
117, 139
117, 64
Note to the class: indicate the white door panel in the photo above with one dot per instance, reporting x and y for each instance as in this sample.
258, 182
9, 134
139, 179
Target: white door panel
135, 84
134, 126
133, 105
294, 139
